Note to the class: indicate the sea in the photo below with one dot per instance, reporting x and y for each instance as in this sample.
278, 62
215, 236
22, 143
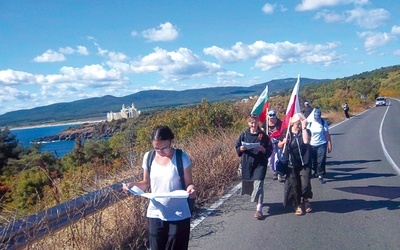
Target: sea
58, 148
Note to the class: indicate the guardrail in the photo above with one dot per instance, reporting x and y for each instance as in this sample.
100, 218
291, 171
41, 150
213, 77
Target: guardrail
22, 231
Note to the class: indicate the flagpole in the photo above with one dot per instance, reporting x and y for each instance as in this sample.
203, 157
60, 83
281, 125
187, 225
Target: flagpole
266, 121
287, 134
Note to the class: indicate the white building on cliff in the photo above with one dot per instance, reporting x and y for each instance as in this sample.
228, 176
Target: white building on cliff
129, 112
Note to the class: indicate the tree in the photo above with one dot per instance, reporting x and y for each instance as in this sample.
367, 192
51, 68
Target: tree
9, 147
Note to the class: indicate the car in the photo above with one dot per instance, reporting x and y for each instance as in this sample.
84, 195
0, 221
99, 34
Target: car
380, 101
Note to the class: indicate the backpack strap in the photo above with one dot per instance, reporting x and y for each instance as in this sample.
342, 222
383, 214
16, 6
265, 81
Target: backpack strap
150, 158
179, 164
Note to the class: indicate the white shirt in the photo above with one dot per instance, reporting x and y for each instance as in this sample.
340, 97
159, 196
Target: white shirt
318, 132
165, 179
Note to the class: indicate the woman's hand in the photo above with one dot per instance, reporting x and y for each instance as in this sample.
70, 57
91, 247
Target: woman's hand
304, 124
126, 187
191, 191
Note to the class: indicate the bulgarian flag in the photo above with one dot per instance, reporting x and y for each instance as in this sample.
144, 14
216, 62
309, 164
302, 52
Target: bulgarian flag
261, 107
293, 106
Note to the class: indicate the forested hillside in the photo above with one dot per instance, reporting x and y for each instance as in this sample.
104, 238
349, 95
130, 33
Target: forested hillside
97, 108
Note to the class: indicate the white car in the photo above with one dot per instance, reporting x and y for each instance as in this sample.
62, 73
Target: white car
380, 101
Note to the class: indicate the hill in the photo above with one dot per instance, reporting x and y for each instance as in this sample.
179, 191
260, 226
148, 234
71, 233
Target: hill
98, 107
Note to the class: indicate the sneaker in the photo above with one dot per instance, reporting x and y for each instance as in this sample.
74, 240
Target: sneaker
258, 215
281, 178
275, 177
321, 180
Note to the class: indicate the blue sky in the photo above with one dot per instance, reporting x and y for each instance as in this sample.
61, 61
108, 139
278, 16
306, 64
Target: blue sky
66, 50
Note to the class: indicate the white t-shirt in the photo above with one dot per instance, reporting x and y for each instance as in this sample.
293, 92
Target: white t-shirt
318, 132
164, 179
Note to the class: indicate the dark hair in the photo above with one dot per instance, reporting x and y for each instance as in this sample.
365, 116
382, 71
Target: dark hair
162, 132
252, 117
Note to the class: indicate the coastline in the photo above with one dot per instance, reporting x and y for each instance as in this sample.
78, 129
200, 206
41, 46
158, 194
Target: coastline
57, 124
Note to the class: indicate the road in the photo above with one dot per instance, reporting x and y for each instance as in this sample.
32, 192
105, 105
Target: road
357, 208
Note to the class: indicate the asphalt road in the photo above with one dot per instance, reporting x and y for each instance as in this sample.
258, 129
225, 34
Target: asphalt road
357, 208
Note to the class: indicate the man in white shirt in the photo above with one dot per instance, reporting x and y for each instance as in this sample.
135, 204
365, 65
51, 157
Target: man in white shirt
321, 143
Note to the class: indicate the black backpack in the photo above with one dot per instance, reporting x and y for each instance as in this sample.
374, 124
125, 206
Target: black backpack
179, 165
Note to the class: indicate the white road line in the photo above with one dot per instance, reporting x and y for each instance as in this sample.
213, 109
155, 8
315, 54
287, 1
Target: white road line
214, 206
390, 160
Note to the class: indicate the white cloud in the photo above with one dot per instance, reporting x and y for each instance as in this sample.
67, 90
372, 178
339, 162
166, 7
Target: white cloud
239, 52
307, 5
174, 65
228, 78
134, 33
11, 77
117, 56
50, 56
369, 19
268, 8
271, 55
329, 16
396, 30
165, 32
11, 94
397, 52
82, 50
374, 40
283, 8
91, 74
69, 85
66, 50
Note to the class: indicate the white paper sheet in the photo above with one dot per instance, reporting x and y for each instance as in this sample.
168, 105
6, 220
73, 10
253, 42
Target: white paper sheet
174, 194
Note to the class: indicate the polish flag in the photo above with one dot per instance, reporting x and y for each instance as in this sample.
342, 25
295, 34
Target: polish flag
293, 106
261, 107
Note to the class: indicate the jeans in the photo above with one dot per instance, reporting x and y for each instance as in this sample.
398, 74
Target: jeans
318, 159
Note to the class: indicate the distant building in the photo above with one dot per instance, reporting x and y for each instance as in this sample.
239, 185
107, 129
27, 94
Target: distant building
129, 112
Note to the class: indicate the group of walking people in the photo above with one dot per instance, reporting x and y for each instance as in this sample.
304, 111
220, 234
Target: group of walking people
301, 149
303, 146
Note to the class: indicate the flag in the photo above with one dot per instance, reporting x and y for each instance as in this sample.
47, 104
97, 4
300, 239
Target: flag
293, 106
261, 106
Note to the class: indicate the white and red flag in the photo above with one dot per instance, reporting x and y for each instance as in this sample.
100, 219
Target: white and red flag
261, 107
293, 106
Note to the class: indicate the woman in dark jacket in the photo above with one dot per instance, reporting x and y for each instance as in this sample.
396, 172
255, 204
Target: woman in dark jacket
297, 154
254, 147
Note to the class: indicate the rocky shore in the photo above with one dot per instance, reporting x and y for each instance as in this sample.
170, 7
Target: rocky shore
84, 132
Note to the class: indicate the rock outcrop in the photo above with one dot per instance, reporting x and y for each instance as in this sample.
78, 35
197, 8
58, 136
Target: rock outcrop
84, 132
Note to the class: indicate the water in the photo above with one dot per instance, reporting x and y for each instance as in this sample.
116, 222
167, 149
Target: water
59, 148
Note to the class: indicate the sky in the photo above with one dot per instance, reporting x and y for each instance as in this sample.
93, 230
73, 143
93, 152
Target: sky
65, 50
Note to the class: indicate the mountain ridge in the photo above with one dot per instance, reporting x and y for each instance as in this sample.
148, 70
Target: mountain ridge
144, 100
